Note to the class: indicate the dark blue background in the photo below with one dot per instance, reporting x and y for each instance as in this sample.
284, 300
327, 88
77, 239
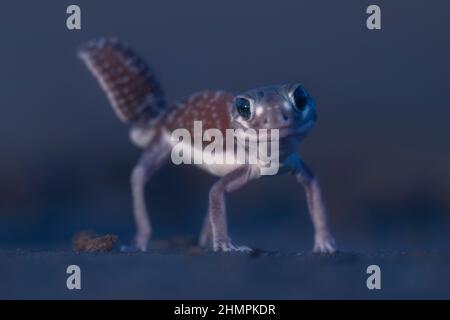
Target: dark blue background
381, 146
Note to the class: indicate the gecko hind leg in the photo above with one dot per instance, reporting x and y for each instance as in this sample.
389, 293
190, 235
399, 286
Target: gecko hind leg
152, 159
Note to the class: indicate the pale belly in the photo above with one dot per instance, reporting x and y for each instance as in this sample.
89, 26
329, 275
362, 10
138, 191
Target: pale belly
220, 162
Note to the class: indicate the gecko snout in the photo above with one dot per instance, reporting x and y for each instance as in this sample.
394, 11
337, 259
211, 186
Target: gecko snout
273, 121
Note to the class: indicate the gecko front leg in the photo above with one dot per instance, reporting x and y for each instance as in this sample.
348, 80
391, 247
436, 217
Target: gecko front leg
217, 212
323, 240
206, 232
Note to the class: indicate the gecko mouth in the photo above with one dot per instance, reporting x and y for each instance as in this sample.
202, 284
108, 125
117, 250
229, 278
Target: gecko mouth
283, 133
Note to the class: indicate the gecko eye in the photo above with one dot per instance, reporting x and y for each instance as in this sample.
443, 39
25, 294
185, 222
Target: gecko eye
243, 108
300, 98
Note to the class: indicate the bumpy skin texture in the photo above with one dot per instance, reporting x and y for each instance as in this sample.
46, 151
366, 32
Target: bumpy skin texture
210, 107
138, 100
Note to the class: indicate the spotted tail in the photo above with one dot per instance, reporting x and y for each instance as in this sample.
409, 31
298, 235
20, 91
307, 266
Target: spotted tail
130, 85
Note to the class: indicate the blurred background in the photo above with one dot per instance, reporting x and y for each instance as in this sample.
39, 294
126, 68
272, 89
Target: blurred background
380, 149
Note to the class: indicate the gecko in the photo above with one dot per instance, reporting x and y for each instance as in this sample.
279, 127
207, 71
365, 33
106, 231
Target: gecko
139, 101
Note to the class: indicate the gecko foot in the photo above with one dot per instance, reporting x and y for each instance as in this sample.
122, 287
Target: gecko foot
129, 249
228, 246
140, 245
324, 243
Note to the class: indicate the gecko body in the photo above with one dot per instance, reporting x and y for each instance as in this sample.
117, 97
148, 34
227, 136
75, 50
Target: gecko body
138, 100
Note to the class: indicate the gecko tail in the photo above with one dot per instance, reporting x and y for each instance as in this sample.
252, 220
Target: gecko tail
130, 85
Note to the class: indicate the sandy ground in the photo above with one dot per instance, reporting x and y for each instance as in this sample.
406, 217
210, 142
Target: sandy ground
412, 252
189, 273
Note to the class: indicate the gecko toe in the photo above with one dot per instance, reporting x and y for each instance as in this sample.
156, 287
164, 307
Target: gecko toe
325, 244
228, 246
129, 249
139, 246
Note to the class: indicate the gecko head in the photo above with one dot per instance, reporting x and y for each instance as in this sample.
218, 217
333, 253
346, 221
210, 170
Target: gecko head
288, 108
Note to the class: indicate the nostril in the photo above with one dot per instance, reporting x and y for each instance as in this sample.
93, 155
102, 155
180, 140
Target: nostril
266, 121
285, 117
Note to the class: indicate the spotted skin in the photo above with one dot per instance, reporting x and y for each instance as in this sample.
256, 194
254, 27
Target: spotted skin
210, 107
138, 99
